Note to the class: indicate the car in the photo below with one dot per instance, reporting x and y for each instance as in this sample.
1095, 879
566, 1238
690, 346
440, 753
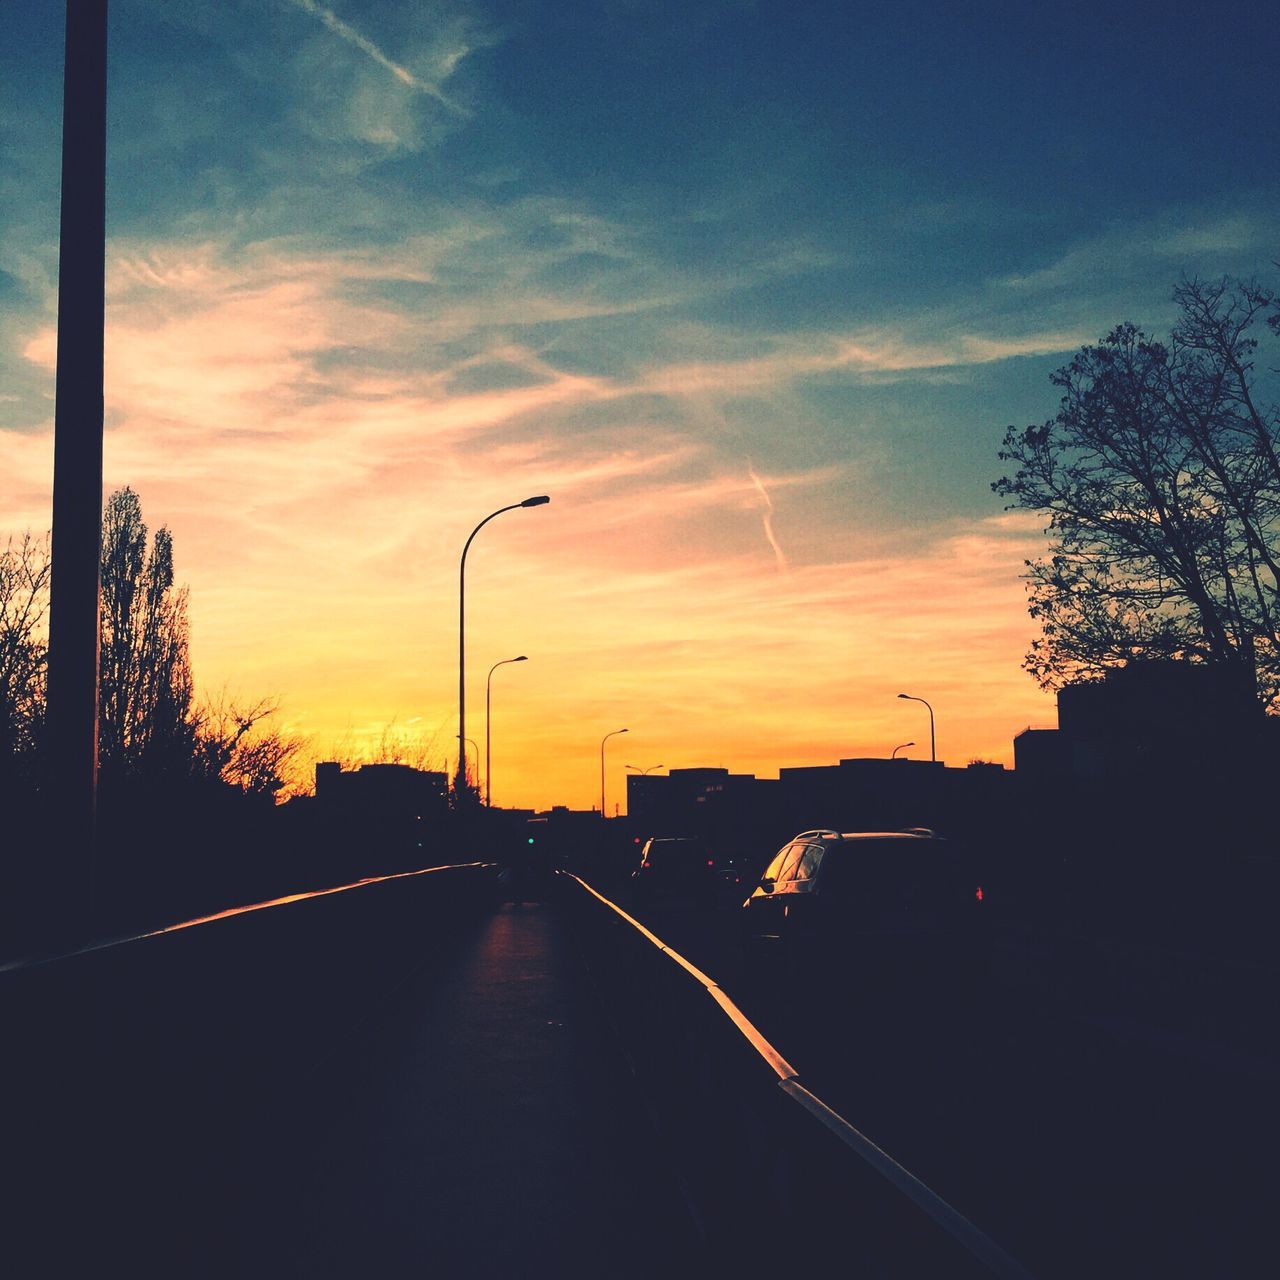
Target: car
884, 908
676, 868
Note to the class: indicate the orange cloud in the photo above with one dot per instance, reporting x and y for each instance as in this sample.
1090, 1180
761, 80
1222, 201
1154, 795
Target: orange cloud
321, 461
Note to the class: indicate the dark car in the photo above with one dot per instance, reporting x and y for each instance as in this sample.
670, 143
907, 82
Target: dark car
676, 868
881, 907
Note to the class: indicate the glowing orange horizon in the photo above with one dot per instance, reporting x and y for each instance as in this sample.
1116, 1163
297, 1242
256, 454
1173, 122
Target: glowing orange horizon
730, 612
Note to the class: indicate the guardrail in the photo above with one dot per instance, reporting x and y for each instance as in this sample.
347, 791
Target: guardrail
777, 1178
143, 1075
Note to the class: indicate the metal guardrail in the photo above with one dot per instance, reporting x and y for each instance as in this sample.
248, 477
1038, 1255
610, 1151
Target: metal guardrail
101, 944
150, 1070
777, 1177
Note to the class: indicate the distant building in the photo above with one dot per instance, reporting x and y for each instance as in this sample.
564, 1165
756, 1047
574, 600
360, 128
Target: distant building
1038, 753
694, 801
392, 791
875, 793
1148, 719
1158, 760
746, 814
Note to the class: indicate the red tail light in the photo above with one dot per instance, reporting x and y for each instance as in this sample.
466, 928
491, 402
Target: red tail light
978, 895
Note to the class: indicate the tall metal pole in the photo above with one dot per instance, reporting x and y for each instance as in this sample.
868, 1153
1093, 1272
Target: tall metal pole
603, 740
460, 788
72, 725
933, 742
488, 755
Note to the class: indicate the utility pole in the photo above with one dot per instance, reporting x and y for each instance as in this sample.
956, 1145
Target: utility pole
72, 727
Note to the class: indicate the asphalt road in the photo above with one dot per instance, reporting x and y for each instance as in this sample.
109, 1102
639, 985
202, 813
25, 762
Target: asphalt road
396, 1081
466, 1113
482, 1124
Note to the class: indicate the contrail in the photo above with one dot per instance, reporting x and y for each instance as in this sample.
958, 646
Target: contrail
768, 518
344, 31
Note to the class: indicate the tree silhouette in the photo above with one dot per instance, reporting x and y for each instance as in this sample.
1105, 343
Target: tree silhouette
1160, 475
24, 608
233, 746
146, 721
151, 729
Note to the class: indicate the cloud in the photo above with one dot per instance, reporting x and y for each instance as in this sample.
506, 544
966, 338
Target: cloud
321, 427
1150, 253
863, 354
290, 379
767, 517
344, 31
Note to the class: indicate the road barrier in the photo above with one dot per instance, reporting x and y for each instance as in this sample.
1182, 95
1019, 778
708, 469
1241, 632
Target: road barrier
141, 1075
778, 1180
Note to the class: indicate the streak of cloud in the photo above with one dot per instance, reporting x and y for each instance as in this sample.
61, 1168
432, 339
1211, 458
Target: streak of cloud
254, 426
768, 518
344, 31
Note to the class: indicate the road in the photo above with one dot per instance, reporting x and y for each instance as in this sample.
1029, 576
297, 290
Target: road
479, 1123
394, 1080
1086, 1142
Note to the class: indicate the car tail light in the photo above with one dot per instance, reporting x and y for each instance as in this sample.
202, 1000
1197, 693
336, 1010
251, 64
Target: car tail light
978, 895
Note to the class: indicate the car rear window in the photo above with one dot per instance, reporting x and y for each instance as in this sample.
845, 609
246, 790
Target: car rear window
670, 853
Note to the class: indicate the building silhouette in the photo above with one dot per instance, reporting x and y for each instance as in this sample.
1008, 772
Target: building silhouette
387, 790
1155, 721
1157, 760
748, 817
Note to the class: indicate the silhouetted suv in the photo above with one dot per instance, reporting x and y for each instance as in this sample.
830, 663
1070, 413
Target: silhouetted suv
882, 907
675, 868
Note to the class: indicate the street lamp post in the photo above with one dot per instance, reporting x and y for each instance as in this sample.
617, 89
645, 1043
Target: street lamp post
460, 781
603, 740
644, 773
900, 747
471, 742
488, 756
933, 742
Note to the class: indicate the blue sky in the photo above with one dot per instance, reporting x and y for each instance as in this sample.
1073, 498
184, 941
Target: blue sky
752, 289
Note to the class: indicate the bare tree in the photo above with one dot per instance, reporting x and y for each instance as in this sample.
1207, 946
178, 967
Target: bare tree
395, 745
24, 608
150, 727
235, 746
1160, 479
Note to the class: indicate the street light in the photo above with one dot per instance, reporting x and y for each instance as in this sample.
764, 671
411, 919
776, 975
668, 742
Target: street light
471, 742
899, 747
488, 757
460, 781
644, 773
933, 748
603, 740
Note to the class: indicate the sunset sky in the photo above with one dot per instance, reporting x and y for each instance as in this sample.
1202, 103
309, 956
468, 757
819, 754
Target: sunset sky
750, 289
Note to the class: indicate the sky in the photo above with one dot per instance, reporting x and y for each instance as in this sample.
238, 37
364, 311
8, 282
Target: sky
751, 290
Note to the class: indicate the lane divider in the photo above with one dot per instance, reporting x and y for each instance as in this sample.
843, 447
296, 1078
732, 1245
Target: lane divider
949, 1219
32, 962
